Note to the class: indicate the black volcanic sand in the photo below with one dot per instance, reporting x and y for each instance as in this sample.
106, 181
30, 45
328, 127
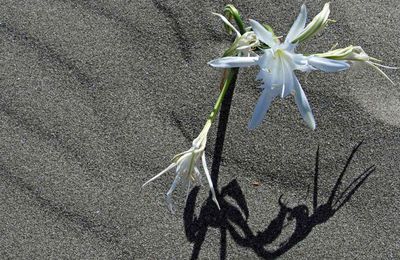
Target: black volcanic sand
97, 96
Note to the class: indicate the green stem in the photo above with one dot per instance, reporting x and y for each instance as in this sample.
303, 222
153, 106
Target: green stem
217, 106
230, 9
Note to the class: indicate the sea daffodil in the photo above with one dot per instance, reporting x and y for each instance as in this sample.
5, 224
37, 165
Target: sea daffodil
279, 62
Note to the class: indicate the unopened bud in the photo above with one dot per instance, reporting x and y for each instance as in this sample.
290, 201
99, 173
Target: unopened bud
318, 23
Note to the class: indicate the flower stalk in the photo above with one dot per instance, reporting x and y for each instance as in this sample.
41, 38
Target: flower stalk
225, 86
186, 162
230, 12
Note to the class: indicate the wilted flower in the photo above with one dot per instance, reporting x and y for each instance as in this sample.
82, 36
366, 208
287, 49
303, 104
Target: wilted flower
186, 167
279, 62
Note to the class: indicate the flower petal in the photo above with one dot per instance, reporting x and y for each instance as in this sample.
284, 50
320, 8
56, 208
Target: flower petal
188, 191
298, 25
302, 104
168, 197
210, 183
373, 65
327, 65
277, 73
223, 18
265, 60
262, 74
287, 80
198, 175
265, 63
300, 62
172, 165
263, 103
184, 161
234, 62
262, 34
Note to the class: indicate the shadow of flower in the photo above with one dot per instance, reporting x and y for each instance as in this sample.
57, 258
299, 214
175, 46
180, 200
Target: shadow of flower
231, 217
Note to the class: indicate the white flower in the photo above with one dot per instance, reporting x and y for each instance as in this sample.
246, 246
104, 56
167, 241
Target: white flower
186, 167
278, 64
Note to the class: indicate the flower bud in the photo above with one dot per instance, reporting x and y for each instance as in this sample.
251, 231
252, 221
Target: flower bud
317, 24
231, 12
350, 53
356, 54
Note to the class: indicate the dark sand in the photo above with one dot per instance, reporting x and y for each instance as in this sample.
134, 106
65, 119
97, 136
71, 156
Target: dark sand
97, 96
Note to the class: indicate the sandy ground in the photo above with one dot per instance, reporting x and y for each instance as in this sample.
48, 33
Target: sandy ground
97, 96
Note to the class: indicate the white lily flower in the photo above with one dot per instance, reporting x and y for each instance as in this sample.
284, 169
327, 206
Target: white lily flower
277, 69
186, 167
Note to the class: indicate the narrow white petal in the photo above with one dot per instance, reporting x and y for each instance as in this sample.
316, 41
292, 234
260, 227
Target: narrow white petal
300, 62
298, 25
262, 106
214, 197
234, 62
244, 47
188, 191
384, 66
262, 34
262, 74
381, 72
283, 85
168, 196
198, 175
288, 80
277, 73
223, 18
172, 165
265, 77
265, 60
184, 162
302, 104
327, 65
